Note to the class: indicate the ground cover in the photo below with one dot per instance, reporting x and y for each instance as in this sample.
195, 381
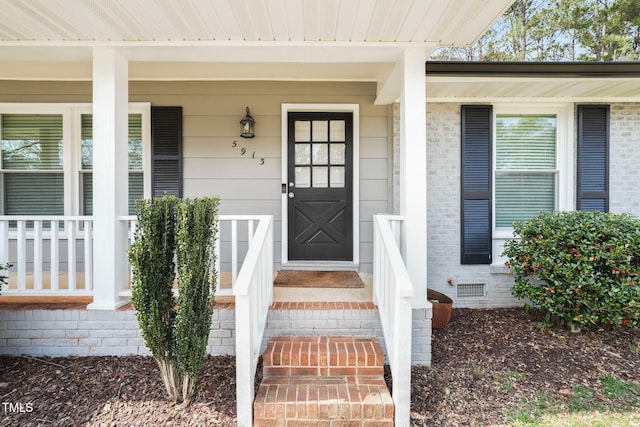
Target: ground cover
490, 368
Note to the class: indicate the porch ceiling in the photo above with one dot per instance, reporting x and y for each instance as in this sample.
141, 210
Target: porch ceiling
368, 35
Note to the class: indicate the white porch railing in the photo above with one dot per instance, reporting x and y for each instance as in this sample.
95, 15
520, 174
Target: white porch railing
36, 247
253, 292
393, 294
235, 236
53, 255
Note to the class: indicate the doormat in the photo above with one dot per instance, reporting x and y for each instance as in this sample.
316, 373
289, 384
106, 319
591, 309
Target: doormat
317, 279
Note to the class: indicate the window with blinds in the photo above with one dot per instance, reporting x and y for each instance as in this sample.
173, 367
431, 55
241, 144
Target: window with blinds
136, 183
32, 164
525, 167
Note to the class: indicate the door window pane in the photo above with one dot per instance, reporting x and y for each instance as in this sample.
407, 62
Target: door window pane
337, 176
302, 130
320, 130
303, 154
320, 177
303, 177
337, 130
337, 154
320, 154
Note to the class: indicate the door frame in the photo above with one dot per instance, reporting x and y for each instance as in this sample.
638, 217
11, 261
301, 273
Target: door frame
330, 108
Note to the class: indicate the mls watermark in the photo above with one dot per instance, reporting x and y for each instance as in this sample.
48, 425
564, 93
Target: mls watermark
17, 408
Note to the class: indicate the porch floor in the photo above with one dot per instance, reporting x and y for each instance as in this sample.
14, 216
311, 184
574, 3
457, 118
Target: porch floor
281, 296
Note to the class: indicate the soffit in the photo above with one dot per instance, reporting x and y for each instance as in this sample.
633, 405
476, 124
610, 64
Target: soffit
363, 32
453, 22
479, 89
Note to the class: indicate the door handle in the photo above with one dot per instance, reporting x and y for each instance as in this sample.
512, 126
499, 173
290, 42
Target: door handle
291, 194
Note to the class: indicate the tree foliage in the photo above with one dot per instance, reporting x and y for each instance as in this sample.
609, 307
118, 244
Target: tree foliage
174, 241
558, 30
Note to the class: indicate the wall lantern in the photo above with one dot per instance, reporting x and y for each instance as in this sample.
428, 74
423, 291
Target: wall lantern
247, 125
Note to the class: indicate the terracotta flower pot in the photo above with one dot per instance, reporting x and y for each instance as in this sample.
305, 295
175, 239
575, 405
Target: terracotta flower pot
441, 308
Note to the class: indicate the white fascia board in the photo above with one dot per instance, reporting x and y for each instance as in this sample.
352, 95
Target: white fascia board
216, 51
492, 100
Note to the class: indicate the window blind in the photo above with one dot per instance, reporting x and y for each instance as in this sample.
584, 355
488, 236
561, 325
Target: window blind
136, 182
525, 176
32, 156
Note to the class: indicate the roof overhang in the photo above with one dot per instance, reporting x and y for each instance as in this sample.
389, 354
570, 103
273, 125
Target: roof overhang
469, 82
334, 40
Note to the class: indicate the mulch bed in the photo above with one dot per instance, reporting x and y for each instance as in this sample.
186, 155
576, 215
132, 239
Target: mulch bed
472, 357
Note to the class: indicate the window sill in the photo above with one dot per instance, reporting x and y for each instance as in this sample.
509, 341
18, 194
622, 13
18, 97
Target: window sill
499, 269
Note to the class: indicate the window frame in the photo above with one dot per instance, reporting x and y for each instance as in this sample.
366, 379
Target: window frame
71, 146
142, 108
565, 162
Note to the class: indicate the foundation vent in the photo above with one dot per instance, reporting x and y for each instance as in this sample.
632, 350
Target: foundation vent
471, 290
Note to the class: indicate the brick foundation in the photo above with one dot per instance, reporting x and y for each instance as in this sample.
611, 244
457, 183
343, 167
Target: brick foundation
81, 332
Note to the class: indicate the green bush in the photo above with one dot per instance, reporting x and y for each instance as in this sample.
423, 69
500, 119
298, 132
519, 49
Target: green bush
4, 279
174, 241
580, 268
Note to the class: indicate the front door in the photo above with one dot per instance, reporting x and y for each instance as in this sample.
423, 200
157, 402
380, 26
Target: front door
320, 175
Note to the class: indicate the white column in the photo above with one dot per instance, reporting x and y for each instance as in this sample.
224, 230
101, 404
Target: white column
413, 171
110, 177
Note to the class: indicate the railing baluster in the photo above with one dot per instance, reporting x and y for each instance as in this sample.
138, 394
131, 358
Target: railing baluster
88, 255
55, 255
22, 255
71, 254
37, 255
249, 233
234, 250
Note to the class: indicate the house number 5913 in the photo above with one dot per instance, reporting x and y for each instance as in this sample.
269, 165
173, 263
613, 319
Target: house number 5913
243, 151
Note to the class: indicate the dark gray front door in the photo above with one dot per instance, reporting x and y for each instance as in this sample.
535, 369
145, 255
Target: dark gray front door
320, 211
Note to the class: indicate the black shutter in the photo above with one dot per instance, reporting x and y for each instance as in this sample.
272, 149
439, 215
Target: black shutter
476, 185
593, 158
166, 151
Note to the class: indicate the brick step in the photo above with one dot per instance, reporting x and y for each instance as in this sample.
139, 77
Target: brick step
333, 401
324, 356
323, 381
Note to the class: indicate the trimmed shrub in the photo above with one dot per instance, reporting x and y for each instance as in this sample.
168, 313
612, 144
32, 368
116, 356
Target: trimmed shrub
4, 278
174, 241
580, 268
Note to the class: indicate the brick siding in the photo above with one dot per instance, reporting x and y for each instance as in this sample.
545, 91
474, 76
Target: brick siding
116, 333
443, 200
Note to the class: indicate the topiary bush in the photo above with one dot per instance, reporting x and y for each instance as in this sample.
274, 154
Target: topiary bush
174, 242
580, 268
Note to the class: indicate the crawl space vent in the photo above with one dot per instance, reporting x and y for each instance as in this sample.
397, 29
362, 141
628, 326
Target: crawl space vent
471, 290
